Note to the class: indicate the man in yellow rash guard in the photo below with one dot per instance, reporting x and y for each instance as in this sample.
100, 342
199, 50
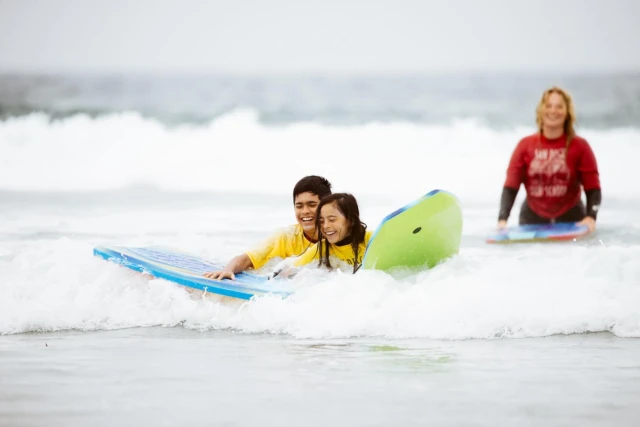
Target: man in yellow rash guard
287, 242
290, 241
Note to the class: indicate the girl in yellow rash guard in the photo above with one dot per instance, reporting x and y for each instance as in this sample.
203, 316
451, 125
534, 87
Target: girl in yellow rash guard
345, 237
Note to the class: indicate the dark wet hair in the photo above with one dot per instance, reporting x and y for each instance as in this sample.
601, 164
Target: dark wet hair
348, 206
317, 185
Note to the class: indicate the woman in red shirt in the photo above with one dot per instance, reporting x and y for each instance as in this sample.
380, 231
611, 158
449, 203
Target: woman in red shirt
554, 164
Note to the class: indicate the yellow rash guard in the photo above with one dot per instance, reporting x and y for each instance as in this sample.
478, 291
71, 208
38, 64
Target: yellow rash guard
287, 242
343, 253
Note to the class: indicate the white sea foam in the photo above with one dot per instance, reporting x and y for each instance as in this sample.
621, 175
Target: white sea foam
481, 293
49, 279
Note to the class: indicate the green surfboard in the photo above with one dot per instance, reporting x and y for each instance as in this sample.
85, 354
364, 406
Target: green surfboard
420, 234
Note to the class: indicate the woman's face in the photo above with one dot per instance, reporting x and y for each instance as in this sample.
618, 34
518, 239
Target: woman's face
333, 223
555, 111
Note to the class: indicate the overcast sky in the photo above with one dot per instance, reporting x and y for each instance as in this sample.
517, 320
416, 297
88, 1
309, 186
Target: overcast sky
273, 36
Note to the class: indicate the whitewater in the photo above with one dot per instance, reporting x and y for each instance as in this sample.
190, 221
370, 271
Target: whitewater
216, 190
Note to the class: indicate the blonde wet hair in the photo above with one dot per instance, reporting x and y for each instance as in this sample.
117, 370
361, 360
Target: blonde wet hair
569, 130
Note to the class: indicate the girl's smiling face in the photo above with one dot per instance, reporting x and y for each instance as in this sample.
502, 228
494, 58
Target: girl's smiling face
333, 223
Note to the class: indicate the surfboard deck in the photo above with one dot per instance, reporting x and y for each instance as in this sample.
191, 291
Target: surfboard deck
420, 234
560, 231
187, 270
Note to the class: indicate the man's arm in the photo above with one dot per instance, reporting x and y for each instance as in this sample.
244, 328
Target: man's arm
236, 265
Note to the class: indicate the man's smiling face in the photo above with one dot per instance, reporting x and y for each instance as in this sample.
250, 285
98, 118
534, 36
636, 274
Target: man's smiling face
306, 205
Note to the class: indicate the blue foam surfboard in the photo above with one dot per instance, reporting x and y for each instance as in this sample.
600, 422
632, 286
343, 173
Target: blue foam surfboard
187, 270
559, 231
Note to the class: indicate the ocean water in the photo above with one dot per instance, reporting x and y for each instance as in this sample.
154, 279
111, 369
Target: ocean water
538, 334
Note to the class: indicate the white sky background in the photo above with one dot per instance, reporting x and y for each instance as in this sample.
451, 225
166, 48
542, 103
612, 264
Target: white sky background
339, 36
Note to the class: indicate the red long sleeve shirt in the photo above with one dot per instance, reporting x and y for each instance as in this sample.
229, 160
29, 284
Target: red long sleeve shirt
552, 176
